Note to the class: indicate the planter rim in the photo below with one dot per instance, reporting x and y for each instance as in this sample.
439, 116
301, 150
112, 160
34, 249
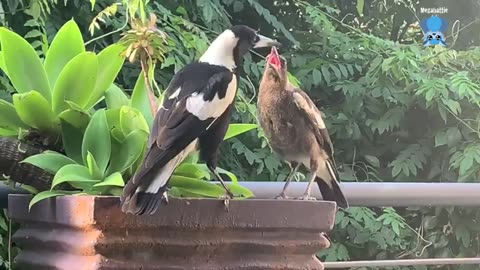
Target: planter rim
104, 211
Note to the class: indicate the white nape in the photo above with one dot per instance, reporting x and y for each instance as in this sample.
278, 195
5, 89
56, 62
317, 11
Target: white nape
220, 52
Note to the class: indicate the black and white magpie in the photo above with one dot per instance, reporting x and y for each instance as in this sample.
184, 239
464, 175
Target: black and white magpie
194, 116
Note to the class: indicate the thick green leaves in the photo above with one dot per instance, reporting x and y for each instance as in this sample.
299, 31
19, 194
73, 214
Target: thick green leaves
66, 44
78, 119
110, 62
126, 152
97, 140
196, 186
35, 111
48, 194
2, 64
75, 82
114, 179
140, 99
49, 161
72, 173
72, 138
192, 170
240, 191
115, 97
237, 129
131, 119
93, 167
24, 67
9, 119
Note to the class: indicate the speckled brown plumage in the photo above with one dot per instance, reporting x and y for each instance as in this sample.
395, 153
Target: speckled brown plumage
295, 130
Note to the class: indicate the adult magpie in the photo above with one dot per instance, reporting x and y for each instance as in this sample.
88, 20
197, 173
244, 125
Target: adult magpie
295, 130
194, 116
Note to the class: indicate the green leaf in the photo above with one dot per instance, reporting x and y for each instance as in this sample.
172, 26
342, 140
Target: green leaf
360, 4
293, 80
115, 97
110, 62
93, 167
8, 117
78, 119
132, 119
75, 82
440, 139
326, 74
140, 100
97, 140
24, 67
466, 164
72, 138
66, 44
2, 64
114, 179
126, 152
35, 111
373, 160
73, 173
47, 194
317, 77
195, 186
237, 129
191, 170
453, 136
49, 161
239, 190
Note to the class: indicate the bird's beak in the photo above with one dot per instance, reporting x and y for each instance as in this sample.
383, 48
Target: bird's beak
266, 42
274, 58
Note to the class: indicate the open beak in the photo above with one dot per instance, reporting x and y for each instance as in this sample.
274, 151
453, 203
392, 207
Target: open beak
274, 58
266, 42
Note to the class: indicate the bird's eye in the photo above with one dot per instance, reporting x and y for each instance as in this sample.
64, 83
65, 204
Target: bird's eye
438, 37
429, 37
255, 39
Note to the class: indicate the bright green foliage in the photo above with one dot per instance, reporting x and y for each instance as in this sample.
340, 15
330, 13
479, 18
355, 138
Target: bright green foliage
64, 87
107, 149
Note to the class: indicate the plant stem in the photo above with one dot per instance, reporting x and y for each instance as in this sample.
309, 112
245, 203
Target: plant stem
150, 94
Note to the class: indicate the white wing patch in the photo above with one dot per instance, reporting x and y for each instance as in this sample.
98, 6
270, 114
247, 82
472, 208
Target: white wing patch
175, 94
202, 109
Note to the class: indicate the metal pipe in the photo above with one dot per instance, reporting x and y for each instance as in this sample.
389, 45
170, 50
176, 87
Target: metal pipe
406, 262
383, 193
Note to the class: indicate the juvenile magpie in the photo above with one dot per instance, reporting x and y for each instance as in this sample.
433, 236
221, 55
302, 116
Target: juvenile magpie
194, 116
294, 127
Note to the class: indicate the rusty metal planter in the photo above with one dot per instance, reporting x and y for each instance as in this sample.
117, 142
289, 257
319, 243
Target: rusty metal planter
89, 232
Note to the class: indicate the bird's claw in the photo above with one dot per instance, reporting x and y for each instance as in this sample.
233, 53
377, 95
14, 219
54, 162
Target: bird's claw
282, 196
226, 200
306, 197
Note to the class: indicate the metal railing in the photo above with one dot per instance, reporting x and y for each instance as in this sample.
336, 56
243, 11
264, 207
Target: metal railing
383, 194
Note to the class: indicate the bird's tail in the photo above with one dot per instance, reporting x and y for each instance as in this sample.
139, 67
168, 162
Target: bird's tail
330, 190
140, 197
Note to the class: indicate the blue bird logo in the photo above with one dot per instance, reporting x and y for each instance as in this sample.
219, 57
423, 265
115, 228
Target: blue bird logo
434, 27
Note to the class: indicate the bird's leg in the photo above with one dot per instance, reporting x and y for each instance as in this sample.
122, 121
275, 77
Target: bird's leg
306, 195
293, 169
228, 194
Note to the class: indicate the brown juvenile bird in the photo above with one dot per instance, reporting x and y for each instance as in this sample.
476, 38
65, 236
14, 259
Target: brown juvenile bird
295, 130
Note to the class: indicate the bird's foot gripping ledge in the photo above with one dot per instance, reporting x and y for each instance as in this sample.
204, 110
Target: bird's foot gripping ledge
306, 197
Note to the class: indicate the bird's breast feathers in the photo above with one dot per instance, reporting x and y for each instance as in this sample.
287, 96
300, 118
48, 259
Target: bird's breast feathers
204, 109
